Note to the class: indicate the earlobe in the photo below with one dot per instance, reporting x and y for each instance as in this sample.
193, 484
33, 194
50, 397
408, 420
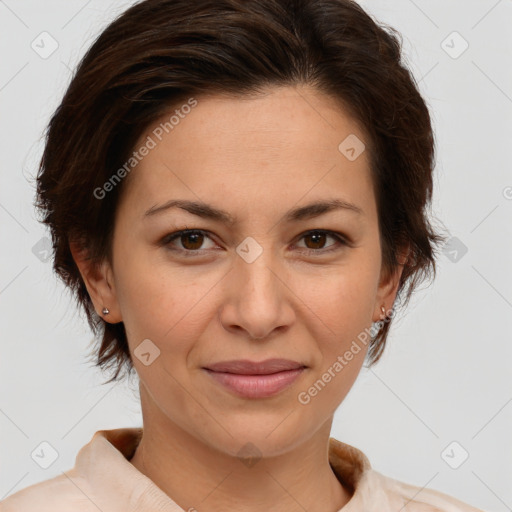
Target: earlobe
98, 280
388, 288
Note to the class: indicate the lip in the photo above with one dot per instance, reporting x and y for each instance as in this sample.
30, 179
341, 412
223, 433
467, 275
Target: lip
251, 379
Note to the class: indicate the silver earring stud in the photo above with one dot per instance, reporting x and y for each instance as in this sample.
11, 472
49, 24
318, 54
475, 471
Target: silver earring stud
105, 311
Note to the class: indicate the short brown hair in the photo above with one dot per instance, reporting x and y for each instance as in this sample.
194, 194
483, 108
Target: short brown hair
160, 52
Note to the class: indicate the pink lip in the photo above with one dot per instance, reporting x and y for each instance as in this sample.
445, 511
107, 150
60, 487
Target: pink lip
256, 379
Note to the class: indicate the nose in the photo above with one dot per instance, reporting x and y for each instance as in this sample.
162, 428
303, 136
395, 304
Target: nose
257, 301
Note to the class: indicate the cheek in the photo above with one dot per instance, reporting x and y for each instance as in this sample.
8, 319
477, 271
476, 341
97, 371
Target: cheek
347, 312
161, 303
343, 300
343, 305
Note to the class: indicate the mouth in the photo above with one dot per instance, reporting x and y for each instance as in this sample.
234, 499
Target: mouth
251, 379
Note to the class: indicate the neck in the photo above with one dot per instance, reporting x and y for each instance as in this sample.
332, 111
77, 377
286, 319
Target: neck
198, 476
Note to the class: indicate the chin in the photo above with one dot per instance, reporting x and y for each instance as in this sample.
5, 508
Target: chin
258, 439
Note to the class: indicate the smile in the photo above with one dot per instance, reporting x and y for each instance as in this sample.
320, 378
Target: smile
256, 386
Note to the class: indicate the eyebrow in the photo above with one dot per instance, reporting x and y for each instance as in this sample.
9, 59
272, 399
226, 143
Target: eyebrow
207, 211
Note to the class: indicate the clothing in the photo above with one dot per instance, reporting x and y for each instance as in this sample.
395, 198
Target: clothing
104, 479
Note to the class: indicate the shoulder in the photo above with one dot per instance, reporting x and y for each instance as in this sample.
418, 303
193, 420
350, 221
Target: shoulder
58, 494
413, 498
375, 492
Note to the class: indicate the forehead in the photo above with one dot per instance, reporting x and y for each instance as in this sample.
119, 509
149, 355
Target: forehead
281, 145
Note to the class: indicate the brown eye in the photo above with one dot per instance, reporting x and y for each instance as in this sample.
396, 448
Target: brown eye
317, 240
191, 241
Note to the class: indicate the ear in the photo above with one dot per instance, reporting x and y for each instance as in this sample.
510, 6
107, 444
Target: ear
388, 286
99, 282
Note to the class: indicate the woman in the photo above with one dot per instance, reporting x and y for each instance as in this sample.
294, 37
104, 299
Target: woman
237, 194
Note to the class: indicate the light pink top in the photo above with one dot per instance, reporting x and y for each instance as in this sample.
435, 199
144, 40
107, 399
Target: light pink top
104, 480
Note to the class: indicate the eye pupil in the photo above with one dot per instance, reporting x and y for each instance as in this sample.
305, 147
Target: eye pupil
319, 240
196, 237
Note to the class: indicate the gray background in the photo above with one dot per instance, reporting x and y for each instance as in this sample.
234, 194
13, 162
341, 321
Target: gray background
445, 376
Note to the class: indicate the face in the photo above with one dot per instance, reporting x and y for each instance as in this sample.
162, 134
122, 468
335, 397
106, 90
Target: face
266, 279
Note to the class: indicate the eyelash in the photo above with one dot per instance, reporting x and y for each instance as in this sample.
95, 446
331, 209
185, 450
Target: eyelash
166, 241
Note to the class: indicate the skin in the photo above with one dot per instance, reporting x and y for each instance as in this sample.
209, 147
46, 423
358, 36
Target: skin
256, 158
